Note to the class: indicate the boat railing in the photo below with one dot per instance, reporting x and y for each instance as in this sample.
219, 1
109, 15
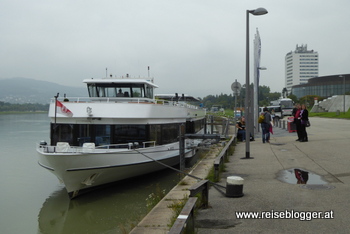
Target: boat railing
64, 147
136, 100
117, 146
104, 99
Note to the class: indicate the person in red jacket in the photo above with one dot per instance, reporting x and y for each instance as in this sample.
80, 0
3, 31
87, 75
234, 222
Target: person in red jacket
297, 121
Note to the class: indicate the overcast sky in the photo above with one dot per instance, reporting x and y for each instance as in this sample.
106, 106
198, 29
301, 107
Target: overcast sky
195, 47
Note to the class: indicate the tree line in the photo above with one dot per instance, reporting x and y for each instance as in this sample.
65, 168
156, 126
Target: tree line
27, 107
228, 101
264, 98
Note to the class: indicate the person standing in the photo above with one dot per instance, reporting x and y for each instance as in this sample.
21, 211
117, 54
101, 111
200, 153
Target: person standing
265, 126
304, 117
297, 120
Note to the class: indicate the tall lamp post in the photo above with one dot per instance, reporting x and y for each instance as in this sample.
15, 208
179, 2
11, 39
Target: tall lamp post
258, 11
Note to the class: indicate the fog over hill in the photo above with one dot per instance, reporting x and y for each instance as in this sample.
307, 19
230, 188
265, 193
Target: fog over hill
26, 90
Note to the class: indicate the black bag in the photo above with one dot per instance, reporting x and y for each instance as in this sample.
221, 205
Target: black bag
308, 124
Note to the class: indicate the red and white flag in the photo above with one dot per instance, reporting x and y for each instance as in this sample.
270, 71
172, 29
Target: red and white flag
62, 109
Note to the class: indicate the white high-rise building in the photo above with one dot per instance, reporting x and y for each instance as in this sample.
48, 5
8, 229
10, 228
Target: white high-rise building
300, 66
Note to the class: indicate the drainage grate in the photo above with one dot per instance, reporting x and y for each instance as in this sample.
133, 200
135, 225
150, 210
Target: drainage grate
317, 186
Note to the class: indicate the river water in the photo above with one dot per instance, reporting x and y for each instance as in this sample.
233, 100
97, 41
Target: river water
33, 201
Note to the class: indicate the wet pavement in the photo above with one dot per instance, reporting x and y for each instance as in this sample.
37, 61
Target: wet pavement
290, 186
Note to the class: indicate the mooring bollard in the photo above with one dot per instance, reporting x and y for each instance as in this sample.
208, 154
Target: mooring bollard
234, 186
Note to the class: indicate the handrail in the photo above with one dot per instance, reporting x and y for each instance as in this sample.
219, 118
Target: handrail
185, 219
224, 153
203, 187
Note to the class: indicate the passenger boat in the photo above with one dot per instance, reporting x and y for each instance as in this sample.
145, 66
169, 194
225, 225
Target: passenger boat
121, 130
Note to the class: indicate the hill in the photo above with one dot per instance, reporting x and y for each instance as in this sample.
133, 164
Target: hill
25, 90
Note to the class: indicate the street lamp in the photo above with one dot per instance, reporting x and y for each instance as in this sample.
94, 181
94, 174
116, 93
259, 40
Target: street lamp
258, 11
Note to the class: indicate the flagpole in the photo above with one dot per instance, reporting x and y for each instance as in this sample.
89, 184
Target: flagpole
56, 108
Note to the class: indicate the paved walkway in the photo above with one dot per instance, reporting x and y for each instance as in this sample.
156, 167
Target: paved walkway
270, 184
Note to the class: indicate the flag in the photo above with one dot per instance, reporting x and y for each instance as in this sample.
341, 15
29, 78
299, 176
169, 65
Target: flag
62, 109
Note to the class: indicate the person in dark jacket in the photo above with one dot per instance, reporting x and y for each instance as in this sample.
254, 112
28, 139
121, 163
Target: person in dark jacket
304, 118
265, 126
297, 120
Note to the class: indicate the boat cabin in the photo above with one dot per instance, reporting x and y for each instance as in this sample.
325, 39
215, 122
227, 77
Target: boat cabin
118, 129
113, 87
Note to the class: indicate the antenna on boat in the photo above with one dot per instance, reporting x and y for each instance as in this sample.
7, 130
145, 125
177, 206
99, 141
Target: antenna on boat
106, 72
148, 71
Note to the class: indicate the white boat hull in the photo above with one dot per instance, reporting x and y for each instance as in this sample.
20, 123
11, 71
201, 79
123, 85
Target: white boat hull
83, 171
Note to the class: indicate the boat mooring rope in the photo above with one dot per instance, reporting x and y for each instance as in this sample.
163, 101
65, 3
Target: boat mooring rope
182, 172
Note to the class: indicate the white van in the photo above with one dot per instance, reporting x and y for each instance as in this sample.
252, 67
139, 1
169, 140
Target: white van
277, 110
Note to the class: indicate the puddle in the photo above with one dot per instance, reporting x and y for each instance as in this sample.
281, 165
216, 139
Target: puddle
299, 176
277, 143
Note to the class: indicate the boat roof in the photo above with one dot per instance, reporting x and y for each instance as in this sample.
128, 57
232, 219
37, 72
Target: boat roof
121, 80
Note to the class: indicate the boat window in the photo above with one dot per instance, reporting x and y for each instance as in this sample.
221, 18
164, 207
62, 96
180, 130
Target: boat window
92, 90
198, 125
129, 133
120, 90
170, 133
195, 126
149, 91
102, 135
155, 133
138, 91
61, 133
82, 134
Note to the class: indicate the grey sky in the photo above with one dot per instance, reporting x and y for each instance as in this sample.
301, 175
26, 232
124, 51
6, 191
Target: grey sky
192, 46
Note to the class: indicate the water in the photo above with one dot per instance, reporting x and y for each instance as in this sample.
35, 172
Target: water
33, 201
299, 176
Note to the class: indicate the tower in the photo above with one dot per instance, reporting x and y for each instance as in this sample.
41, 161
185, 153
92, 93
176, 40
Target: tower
300, 65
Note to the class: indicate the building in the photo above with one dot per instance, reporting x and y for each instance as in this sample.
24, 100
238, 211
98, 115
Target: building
300, 66
323, 86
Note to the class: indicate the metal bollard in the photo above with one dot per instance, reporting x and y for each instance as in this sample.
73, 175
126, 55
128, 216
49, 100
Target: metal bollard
234, 186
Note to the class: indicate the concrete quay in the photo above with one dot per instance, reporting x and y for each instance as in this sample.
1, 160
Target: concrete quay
271, 189
158, 219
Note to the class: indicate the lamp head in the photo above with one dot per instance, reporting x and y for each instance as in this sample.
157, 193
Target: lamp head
259, 11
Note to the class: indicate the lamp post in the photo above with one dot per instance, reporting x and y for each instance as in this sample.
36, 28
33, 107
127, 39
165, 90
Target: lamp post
258, 11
